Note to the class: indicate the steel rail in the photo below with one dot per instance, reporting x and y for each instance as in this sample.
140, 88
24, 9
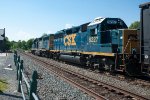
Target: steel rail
81, 87
128, 93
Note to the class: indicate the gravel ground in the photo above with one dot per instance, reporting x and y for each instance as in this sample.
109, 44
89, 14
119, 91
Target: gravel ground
10, 76
135, 88
51, 87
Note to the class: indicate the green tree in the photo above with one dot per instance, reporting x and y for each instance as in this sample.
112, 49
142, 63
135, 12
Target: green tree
23, 45
134, 25
19, 44
13, 45
29, 43
7, 44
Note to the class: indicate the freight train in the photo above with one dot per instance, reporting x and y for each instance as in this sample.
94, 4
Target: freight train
104, 43
145, 38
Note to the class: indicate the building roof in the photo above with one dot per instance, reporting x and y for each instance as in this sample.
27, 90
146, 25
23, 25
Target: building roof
144, 4
1, 38
1, 33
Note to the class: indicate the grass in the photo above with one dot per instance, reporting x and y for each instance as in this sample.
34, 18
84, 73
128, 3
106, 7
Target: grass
3, 85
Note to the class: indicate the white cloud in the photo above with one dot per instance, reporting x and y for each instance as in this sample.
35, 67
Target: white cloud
68, 26
22, 35
49, 32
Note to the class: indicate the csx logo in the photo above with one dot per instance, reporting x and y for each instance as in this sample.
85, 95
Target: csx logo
69, 40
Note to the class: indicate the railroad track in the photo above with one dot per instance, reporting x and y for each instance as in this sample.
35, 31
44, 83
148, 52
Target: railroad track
98, 90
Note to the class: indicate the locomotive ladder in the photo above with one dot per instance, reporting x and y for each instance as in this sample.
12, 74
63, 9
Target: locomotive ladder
129, 42
125, 50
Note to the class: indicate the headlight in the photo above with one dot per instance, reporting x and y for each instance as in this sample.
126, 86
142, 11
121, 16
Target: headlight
146, 56
121, 37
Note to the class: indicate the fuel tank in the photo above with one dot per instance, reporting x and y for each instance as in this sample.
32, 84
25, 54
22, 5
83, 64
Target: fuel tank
70, 58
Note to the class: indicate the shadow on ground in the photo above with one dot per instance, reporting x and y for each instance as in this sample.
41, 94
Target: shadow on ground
10, 95
3, 81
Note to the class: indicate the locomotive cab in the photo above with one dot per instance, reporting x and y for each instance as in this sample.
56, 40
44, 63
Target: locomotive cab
34, 46
118, 46
100, 38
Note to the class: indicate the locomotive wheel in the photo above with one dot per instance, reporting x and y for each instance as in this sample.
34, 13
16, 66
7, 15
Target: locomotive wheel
101, 67
89, 62
83, 60
132, 68
112, 68
50, 55
90, 65
106, 64
47, 54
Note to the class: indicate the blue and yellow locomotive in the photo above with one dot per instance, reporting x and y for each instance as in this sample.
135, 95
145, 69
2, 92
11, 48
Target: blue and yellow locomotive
104, 43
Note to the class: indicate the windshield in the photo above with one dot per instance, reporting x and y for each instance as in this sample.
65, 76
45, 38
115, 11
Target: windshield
111, 24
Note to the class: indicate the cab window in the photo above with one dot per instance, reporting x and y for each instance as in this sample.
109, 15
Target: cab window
93, 32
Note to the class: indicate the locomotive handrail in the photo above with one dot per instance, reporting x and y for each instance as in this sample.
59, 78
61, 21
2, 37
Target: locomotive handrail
126, 45
31, 89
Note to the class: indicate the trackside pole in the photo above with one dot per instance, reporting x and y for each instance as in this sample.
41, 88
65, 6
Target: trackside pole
33, 85
18, 64
20, 75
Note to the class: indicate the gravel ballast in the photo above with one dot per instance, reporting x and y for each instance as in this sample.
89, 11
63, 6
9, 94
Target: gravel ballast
52, 87
54, 92
135, 88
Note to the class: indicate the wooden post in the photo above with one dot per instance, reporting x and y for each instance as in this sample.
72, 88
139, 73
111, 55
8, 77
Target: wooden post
20, 75
18, 59
18, 64
15, 59
33, 85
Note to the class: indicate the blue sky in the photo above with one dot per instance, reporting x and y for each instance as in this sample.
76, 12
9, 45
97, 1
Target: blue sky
25, 19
